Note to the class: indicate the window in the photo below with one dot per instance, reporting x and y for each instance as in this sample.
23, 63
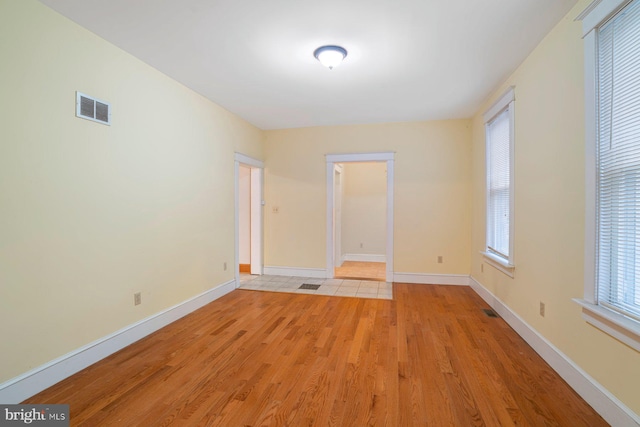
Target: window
612, 264
499, 152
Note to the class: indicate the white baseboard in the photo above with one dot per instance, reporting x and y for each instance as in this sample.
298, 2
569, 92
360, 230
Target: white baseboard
364, 257
34, 381
26, 385
606, 404
316, 273
432, 279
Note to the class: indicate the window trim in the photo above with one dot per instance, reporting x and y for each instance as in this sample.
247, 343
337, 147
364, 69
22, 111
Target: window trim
499, 263
506, 100
609, 321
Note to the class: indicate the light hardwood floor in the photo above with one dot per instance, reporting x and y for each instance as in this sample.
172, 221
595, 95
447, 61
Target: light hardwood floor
429, 357
361, 270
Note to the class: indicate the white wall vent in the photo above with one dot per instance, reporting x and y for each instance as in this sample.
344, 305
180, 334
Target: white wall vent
90, 108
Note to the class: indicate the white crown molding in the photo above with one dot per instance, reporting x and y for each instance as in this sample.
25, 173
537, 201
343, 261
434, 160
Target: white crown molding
34, 381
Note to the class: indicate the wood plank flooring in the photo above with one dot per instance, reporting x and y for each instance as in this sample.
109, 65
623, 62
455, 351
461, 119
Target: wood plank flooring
361, 270
430, 357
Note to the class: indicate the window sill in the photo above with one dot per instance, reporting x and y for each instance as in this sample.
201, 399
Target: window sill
499, 263
618, 326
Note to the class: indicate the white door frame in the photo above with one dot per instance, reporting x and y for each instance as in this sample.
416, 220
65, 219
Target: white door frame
257, 188
332, 159
337, 217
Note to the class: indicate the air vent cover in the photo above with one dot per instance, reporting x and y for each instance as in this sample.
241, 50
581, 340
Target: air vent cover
90, 108
489, 312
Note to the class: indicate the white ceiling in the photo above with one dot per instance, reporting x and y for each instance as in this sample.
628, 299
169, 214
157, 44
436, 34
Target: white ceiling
408, 59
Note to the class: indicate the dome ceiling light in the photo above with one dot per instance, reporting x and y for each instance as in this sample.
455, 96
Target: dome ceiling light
330, 56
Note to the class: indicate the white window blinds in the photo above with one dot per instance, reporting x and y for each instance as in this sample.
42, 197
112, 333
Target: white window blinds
498, 184
618, 162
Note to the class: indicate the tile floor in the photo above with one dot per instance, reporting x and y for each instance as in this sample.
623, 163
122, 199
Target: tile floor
337, 287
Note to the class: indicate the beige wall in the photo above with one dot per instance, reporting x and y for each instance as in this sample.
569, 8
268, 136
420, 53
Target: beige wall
549, 210
432, 192
93, 213
364, 209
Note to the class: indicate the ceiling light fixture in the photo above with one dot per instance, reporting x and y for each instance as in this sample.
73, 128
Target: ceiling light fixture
330, 56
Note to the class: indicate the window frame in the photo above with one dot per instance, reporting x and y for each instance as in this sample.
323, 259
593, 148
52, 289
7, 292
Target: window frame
506, 101
609, 321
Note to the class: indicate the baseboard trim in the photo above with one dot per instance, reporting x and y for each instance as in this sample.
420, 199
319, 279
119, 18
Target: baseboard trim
364, 257
432, 279
316, 273
34, 381
30, 383
606, 404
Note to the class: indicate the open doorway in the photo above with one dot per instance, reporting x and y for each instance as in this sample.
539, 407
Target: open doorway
343, 256
244, 219
248, 209
360, 220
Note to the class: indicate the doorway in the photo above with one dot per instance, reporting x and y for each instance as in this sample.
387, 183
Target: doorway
336, 228
248, 215
244, 219
360, 220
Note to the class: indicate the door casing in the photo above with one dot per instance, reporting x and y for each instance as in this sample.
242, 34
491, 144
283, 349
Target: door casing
332, 160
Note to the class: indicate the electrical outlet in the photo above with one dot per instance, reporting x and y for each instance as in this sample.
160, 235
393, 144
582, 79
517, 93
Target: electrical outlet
361, 245
137, 298
224, 266
482, 268
541, 309
439, 259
